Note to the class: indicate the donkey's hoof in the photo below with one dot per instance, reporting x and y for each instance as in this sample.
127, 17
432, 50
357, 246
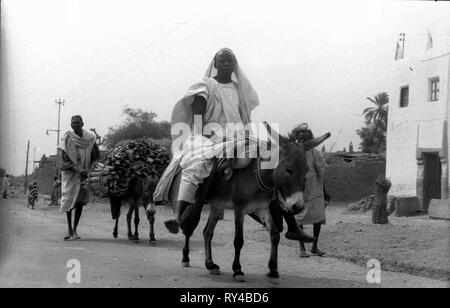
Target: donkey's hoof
131, 237
239, 276
136, 240
273, 274
115, 234
172, 225
273, 278
185, 264
153, 241
215, 271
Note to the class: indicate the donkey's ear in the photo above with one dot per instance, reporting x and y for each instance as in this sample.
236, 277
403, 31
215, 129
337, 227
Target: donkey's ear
282, 141
316, 141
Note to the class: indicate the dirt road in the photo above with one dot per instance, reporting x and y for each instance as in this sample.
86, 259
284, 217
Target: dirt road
36, 255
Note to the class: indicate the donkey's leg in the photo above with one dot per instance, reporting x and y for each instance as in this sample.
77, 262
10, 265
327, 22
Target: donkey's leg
116, 204
274, 241
190, 222
129, 216
115, 232
136, 223
150, 212
185, 260
214, 216
238, 243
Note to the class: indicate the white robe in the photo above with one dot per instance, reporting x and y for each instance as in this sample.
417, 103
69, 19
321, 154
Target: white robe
79, 150
222, 107
195, 151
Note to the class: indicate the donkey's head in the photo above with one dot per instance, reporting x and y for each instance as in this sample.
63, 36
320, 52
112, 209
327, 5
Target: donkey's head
289, 174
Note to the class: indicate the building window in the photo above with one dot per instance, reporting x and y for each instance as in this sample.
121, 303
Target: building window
404, 96
434, 89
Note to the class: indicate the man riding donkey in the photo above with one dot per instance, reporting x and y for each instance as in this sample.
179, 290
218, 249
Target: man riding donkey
224, 96
77, 151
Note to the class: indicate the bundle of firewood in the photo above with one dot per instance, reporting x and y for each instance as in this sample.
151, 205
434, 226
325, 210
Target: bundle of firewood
98, 178
133, 159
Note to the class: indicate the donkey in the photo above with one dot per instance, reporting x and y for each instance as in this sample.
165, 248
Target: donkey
139, 193
254, 191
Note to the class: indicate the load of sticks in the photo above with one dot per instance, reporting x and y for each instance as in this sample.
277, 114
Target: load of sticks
131, 159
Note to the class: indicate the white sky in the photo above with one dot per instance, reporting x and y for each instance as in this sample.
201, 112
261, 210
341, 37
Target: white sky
310, 61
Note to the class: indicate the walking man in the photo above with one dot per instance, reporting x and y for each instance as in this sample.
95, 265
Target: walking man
56, 192
33, 194
314, 193
6, 186
77, 151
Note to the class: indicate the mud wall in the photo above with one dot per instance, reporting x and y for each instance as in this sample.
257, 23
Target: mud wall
350, 181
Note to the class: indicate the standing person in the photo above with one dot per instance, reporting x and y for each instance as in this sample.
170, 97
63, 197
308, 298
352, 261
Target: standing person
224, 96
77, 151
56, 191
6, 186
314, 211
33, 194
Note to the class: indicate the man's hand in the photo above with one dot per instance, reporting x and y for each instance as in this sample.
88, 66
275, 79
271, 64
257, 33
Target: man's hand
84, 174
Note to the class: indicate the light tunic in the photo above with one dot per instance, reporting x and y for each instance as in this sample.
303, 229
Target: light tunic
230, 103
314, 211
195, 167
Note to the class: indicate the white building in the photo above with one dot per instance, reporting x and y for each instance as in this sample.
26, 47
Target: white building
418, 128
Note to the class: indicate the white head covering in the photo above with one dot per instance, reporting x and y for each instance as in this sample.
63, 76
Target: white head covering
247, 95
182, 111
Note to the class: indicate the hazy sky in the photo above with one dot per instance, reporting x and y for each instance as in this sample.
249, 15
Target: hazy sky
313, 61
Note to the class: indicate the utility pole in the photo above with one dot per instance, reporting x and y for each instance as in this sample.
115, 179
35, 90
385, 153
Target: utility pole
59, 102
26, 169
34, 158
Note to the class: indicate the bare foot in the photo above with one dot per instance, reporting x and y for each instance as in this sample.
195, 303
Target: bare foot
317, 252
303, 254
68, 236
75, 236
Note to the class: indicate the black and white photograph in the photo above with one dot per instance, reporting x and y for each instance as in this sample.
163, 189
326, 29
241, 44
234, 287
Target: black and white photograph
224, 149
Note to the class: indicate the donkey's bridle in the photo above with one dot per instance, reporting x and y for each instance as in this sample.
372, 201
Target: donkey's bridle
264, 187
259, 180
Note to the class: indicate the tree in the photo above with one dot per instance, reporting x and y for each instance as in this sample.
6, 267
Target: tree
373, 140
138, 124
377, 115
373, 135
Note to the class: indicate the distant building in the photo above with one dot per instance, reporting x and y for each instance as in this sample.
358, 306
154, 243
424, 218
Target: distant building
418, 128
45, 173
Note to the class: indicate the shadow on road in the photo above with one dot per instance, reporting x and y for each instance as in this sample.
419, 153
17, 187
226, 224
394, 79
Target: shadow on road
285, 281
173, 244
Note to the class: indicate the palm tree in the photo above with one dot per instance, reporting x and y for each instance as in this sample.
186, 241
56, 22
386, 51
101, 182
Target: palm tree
377, 115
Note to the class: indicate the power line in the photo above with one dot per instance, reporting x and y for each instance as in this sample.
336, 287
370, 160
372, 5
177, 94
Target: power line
139, 64
134, 55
